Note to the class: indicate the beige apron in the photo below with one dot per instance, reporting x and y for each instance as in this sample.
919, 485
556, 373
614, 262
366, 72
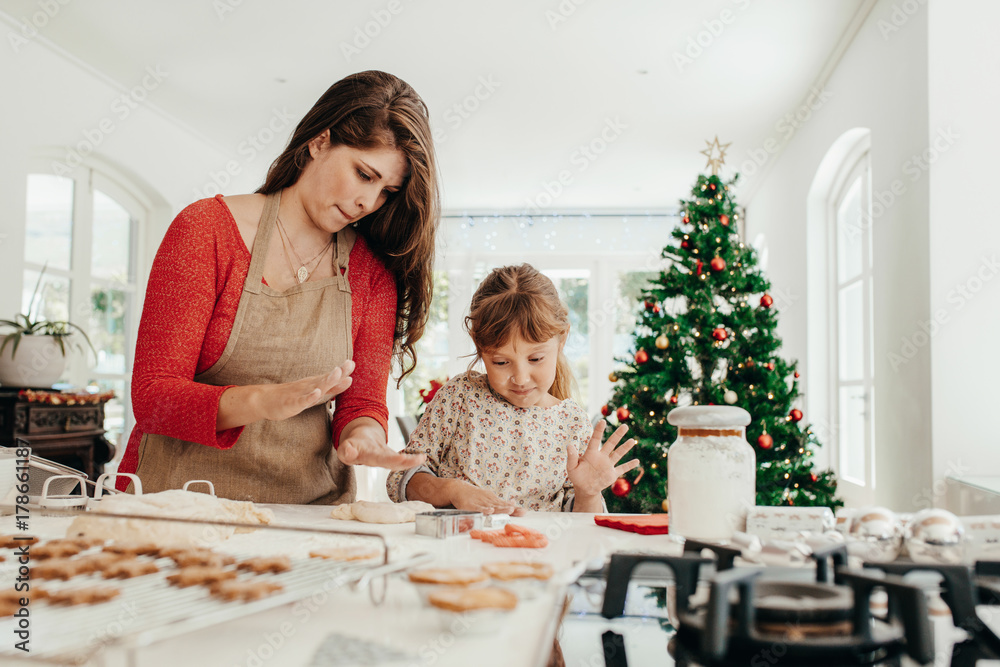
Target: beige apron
276, 337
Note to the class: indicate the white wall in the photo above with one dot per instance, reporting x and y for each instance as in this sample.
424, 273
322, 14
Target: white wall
965, 237
880, 84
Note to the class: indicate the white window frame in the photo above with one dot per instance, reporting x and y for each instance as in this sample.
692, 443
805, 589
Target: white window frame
859, 167
95, 175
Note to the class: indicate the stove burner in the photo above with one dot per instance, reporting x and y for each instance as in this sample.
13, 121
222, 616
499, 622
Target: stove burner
817, 623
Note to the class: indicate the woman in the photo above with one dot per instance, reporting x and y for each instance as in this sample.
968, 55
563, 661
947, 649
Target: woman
261, 308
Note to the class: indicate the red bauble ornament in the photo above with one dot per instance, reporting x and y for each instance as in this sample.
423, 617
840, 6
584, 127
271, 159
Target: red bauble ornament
718, 264
698, 268
673, 400
656, 308
621, 487
686, 220
765, 441
770, 366
797, 374
724, 219
795, 414
685, 244
622, 413
720, 334
606, 410
711, 186
749, 363
766, 301
641, 357
813, 477
650, 304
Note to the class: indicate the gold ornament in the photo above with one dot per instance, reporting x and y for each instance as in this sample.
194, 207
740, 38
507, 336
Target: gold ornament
612, 377
665, 505
662, 342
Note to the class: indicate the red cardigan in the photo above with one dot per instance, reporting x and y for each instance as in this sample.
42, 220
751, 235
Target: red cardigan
191, 299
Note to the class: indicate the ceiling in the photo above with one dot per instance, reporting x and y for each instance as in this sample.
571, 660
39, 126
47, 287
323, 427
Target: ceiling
515, 88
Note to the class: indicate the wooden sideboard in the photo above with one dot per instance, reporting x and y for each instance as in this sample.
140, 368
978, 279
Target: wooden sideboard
69, 434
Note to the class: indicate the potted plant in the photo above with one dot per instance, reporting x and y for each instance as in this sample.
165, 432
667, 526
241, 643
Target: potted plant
34, 353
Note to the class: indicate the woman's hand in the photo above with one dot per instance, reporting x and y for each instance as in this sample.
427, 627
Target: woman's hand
244, 405
362, 442
465, 496
288, 399
598, 468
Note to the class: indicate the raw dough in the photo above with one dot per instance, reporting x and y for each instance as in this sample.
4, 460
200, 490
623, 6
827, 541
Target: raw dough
370, 512
176, 503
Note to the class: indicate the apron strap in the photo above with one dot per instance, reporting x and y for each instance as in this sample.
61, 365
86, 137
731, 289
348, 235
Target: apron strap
341, 257
265, 225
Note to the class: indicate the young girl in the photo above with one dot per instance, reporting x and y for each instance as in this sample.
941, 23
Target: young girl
509, 440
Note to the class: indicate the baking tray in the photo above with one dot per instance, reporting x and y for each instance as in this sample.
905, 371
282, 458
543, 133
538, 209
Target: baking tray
149, 609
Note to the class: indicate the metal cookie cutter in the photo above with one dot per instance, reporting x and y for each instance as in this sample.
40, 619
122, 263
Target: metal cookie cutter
448, 523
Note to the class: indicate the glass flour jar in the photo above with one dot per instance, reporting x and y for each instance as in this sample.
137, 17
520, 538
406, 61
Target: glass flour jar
711, 472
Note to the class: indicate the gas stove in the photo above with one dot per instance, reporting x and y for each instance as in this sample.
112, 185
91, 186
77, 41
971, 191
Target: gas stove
707, 612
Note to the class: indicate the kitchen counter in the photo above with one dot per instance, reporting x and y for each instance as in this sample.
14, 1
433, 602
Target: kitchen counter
290, 635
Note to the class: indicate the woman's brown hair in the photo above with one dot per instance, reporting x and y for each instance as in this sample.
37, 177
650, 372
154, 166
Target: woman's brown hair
371, 110
523, 301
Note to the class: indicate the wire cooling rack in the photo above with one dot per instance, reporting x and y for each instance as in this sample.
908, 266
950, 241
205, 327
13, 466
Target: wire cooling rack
150, 609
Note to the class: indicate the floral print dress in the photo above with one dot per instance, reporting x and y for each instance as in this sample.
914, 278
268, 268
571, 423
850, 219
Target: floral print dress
469, 432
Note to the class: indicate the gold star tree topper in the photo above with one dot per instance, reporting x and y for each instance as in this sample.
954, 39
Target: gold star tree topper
715, 162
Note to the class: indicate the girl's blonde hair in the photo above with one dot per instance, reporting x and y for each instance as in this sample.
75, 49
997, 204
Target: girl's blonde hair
520, 300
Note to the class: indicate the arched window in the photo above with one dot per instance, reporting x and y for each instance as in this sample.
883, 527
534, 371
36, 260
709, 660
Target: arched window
840, 312
84, 230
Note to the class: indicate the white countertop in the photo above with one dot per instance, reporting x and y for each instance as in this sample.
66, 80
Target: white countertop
289, 635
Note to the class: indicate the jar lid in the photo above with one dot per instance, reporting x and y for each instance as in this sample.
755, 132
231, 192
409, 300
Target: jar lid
708, 416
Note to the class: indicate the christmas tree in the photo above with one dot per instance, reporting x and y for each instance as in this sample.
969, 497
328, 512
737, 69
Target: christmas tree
706, 337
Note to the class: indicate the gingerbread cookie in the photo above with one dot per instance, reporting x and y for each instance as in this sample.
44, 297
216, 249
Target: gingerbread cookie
61, 568
201, 558
514, 570
275, 564
103, 560
132, 548
346, 553
55, 549
127, 569
458, 576
195, 576
15, 541
93, 595
244, 591
467, 599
